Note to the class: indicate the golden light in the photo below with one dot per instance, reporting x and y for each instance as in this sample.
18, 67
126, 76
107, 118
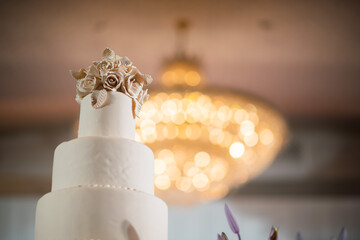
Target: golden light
162, 182
202, 159
180, 73
206, 141
251, 139
159, 166
237, 149
200, 180
266, 137
184, 184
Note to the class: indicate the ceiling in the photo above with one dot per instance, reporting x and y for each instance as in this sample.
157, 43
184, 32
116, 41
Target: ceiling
302, 56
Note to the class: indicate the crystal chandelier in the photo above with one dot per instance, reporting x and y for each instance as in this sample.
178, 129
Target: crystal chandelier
205, 141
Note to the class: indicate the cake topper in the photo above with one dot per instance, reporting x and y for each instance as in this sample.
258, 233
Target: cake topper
112, 73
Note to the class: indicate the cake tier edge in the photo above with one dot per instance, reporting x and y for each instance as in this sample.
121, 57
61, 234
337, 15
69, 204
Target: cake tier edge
103, 161
101, 214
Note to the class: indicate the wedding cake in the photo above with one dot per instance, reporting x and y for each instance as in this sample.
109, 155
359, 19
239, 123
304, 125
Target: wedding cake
103, 181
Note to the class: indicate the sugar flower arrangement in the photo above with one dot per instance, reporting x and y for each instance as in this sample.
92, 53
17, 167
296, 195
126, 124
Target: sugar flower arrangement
273, 234
112, 73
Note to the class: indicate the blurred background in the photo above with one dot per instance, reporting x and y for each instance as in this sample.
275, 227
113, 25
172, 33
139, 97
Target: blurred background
302, 57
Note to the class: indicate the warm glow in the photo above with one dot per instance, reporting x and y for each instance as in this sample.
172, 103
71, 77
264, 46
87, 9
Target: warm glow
205, 140
237, 149
181, 74
184, 184
251, 139
240, 115
193, 132
162, 182
167, 156
159, 166
200, 180
247, 127
168, 77
206, 143
173, 172
266, 137
190, 169
202, 159
218, 171
147, 127
192, 78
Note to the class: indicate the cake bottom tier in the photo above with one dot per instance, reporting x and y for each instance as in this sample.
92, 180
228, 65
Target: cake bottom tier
85, 213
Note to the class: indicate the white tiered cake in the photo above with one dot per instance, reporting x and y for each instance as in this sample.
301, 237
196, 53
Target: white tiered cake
103, 181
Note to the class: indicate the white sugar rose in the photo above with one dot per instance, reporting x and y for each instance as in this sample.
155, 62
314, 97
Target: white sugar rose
112, 62
123, 61
87, 85
111, 73
131, 88
112, 80
78, 74
93, 71
125, 69
143, 79
104, 67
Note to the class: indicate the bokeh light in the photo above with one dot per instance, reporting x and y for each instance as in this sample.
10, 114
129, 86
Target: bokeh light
206, 143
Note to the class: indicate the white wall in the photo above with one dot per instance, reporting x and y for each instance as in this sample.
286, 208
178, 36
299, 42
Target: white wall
318, 218
17, 215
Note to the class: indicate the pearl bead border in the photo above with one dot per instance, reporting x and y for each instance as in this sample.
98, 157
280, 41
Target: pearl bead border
107, 186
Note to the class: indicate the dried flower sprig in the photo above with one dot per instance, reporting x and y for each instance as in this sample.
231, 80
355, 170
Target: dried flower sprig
343, 234
273, 233
232, 221
298, 236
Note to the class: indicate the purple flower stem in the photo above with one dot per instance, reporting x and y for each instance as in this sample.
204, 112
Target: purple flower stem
238, 234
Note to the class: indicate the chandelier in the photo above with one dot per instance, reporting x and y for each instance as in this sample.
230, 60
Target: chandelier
205, 140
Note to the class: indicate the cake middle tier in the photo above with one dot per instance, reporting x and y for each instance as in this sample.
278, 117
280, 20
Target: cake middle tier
103, 161
100, 214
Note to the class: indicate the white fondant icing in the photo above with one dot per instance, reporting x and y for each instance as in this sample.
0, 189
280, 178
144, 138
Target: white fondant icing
115, 119
100, 213
103, 161
103, 181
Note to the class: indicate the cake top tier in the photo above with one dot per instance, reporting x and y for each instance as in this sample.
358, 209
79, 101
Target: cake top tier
111, 73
